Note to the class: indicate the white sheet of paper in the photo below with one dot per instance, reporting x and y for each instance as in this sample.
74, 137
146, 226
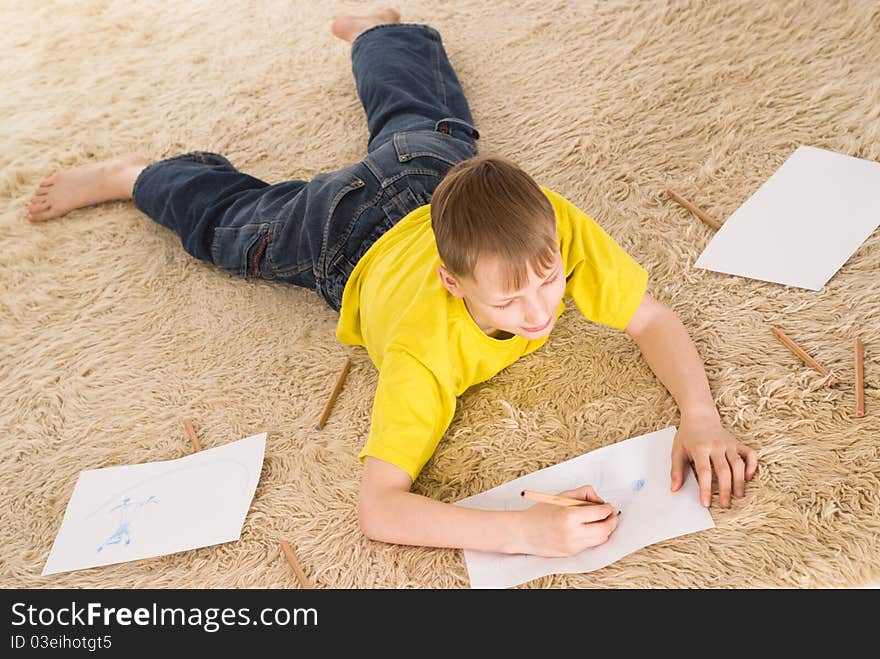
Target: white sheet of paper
633, 475
131, 512
803, 223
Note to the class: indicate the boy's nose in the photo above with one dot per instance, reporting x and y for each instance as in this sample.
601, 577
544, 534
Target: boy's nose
534, 313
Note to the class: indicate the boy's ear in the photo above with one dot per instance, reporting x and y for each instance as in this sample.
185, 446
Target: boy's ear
449, 281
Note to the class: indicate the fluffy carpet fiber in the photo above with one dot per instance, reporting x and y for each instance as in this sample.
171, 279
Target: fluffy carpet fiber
110, 334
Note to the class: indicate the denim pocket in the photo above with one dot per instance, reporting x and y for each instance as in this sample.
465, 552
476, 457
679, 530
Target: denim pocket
432, 144
243, 251
342, 211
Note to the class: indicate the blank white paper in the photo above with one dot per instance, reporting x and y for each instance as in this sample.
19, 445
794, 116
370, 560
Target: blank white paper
131, 512
633, 475
803, 223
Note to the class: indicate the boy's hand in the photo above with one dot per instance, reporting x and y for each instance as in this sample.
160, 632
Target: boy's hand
706, 444
555, 531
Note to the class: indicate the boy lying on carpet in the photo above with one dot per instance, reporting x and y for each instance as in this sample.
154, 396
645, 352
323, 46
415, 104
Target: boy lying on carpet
442, 295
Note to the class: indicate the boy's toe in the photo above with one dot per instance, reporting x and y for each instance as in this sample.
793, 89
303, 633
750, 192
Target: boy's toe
40, 214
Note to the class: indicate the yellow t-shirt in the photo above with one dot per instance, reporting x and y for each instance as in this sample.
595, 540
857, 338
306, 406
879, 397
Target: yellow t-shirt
424, 342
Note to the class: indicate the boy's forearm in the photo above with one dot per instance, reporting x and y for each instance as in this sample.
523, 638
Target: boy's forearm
407, 518
672, 355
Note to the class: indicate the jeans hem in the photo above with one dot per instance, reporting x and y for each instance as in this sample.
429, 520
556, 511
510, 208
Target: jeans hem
192, 156
137, 182
387, 25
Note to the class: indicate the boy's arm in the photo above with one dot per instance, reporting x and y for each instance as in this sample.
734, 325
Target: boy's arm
389, 512
701, 439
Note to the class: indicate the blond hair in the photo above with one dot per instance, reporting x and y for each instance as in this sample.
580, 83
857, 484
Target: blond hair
486, 206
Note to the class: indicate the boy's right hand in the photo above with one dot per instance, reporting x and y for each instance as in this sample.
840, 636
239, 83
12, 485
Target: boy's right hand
555, 531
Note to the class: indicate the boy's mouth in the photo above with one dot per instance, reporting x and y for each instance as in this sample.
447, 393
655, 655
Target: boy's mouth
532, 330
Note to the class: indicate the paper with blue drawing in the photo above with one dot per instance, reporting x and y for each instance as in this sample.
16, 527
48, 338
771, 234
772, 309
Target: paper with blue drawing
803, 223
131, 512
633, 475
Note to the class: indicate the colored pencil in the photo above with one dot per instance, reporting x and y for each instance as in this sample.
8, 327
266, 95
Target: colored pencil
291, 558
860, 379
192, 435
555, 500
333, 394
699, 212
800, 352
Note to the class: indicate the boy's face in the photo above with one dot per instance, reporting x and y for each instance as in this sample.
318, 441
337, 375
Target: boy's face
529, 312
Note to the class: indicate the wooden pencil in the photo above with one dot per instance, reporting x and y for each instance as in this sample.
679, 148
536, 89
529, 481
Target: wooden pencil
860, 379
699, 212
555, 500
800, 352
540, 497
297, 570
333, 394
192, 435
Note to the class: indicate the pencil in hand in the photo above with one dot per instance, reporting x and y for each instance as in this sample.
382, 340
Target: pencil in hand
800, 352
860, 379
556, 500
333, 394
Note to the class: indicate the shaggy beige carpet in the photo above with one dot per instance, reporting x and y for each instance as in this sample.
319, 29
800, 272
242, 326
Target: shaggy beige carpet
110, 334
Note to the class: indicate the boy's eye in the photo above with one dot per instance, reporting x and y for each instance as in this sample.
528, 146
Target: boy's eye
503, 306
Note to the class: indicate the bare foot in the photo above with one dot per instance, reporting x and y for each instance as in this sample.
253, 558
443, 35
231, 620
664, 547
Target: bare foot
85, 185
349, 26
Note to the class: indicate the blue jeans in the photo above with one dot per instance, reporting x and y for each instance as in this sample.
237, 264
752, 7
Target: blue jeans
312, 233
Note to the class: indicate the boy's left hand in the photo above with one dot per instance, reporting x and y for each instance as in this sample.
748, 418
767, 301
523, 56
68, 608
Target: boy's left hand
707, 444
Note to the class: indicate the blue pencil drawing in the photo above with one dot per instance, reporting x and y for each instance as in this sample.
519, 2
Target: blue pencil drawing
128, 511
131, 512
638, 484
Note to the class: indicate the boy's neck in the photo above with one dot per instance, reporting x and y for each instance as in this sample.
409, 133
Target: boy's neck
488, 331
